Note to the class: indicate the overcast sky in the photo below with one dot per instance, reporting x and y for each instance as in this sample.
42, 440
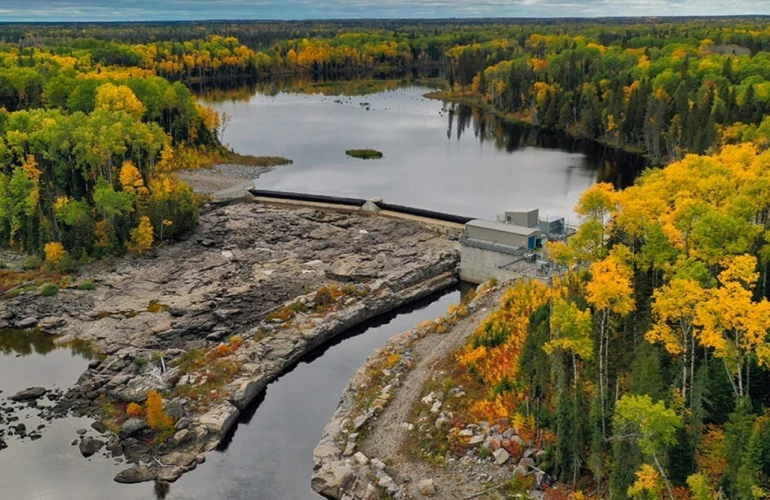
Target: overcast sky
140, 10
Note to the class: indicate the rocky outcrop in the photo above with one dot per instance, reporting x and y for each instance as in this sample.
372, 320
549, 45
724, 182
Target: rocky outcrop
251, 272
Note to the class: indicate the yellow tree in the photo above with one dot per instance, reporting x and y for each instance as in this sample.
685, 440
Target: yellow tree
141, 236
609, 291
571, 331
674, 309
733, 324
132, 181
119, 98
54, 252
595, 207
157, 418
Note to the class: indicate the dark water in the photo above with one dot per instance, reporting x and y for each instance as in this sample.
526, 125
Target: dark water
40, 469
269, 456
436, 155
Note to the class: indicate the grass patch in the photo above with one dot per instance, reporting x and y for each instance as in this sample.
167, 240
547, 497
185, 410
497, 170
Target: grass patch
87, 285
364, 154
49, 290
157, 307
256, 161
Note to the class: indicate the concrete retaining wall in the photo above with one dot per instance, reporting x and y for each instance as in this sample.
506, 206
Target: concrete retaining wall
478, 265
358, 203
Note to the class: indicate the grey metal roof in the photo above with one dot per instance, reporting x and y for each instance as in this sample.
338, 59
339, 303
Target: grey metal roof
503, 227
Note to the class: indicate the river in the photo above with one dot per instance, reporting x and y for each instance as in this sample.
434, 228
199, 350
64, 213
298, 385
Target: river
269, 456
436, 155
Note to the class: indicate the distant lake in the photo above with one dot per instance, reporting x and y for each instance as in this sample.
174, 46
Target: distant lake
436, 155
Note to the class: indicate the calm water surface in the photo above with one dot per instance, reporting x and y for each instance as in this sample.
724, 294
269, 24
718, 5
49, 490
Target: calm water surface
270, 455
437, 156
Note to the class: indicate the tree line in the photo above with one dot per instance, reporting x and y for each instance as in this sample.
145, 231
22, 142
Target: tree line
663, 99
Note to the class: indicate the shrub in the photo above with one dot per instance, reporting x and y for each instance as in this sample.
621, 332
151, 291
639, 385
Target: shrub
49, 290
54, 252
87, 285
134, 410
326, 296
139, 362
33, 262
297, 307
157, 418
364, 154
67, 264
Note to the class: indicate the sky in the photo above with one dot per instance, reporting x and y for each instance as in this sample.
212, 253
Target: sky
161, 10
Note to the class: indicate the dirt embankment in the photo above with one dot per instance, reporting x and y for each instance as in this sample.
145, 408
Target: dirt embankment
208, 322
362, 450
396, 433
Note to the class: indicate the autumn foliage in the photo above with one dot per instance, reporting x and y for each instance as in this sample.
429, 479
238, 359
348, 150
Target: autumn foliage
157, 418
134, 410
141, 236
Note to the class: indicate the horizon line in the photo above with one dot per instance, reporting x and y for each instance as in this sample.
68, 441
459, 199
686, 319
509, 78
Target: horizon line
353, 19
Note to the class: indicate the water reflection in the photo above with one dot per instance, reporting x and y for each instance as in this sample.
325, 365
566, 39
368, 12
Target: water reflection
611, 165
29, 342
438, 155
270, 456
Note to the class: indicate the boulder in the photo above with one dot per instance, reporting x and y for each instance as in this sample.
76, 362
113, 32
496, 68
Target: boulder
335, 484
52, 323
426, 487
180, 436
135, 450
170, 474
501, 456
136, 474
90, 446
478, 438
243, 393
27, 322
131, 426
371, 207
221, 418
29, 394
361, 458
359, 421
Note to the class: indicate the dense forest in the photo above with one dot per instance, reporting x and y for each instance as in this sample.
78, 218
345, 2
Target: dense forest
642, 371
660, 96
86, 151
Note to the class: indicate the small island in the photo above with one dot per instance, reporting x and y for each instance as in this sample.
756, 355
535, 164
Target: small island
364, 154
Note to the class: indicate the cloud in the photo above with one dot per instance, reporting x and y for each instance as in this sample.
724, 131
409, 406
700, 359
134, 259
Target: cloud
140, 10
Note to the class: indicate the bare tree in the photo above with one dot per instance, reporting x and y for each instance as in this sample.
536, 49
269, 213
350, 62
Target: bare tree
224, 122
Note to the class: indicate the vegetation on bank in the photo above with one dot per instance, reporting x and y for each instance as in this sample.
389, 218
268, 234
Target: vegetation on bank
364, 154
642, 372
255, 161
664, 97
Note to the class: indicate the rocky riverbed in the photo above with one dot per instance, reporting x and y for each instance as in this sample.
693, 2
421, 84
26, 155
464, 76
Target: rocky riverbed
208, 322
